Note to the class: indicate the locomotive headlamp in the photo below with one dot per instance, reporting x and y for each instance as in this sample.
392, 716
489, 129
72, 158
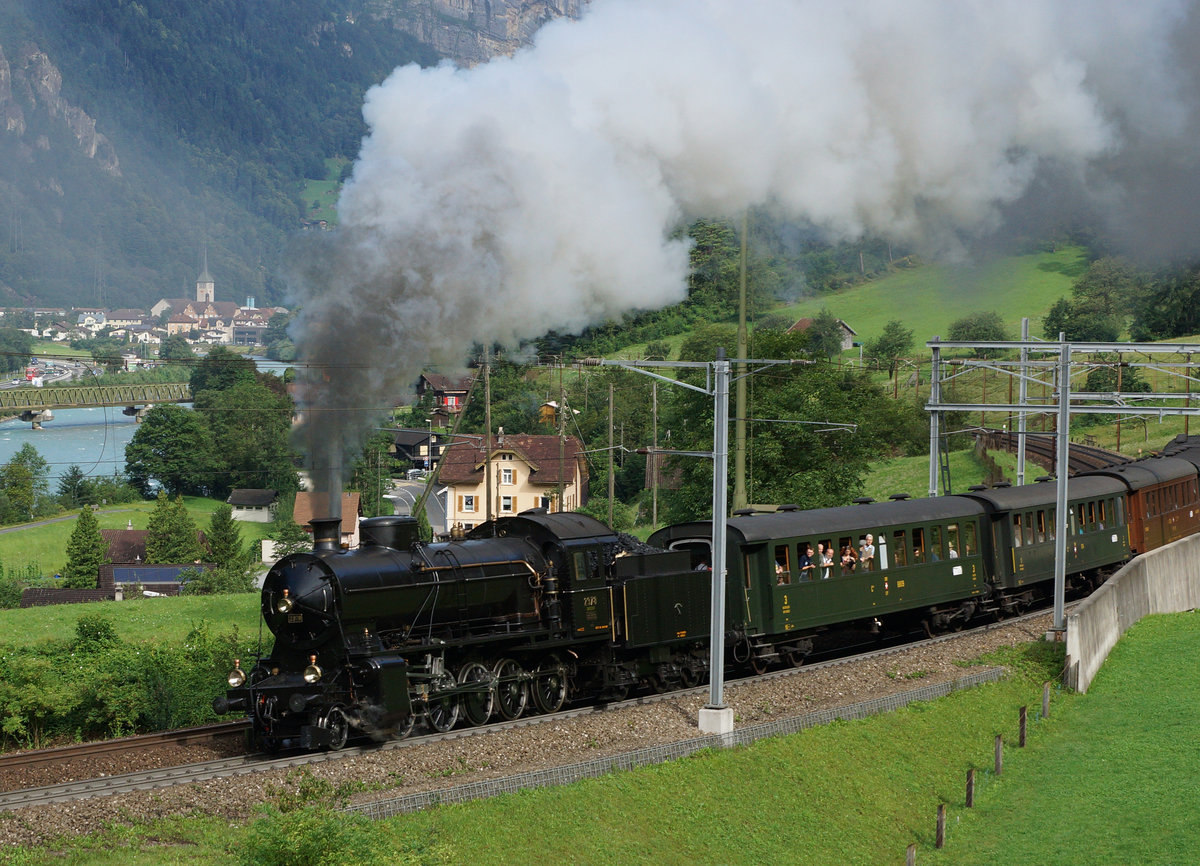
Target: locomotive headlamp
237, 676
312, 673
284, 603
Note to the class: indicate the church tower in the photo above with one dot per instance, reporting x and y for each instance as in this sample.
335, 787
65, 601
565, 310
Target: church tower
205, 290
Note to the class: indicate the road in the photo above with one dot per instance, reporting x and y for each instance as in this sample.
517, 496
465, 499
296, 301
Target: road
405, 494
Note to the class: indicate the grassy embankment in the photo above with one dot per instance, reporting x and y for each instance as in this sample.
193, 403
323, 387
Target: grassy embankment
1092, 786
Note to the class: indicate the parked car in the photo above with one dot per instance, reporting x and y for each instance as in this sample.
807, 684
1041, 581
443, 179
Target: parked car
415, 474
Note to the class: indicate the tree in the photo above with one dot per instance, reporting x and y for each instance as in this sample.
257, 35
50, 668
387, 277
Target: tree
72, 487
825, 335
979, 327
225, 547
171, 535
220, 370
16, 348
288, 535
250, 428
372, 476
1170, 306
172, 448
896, 340
24, 480
86, 552
176, 348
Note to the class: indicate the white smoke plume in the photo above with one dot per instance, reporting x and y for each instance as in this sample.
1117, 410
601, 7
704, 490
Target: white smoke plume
544, 191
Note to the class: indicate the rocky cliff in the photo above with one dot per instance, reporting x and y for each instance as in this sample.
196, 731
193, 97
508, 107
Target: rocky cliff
471, 31
31, 84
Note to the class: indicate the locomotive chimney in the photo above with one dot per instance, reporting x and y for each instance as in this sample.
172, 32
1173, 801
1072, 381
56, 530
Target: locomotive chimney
327, 533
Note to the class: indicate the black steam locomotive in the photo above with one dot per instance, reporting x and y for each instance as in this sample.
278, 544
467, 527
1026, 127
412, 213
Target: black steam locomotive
524, 609
538, 609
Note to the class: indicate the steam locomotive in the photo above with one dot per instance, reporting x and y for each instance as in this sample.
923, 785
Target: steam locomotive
528, 612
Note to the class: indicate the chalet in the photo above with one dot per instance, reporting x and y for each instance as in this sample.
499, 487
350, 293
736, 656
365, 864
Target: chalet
419, 448
526, 471
449, 395
848, 333
253, 505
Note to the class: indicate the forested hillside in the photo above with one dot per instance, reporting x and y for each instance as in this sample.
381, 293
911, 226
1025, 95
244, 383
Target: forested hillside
134, 133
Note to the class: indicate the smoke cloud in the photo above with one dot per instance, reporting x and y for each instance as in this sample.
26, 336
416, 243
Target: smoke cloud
544, 191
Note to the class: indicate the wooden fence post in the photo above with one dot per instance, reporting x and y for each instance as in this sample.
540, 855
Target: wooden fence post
999, 754
1046, 700
970, 787
1023, 720
910, 856
941, 825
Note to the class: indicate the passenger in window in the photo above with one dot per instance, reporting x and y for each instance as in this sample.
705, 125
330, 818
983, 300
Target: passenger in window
953, 553
866, 552
849, 560
825, 557
806, 564
781, 574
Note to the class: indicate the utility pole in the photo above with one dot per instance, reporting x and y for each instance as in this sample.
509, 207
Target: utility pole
562, 434
740, 498
611, 476
487, 441
654, 455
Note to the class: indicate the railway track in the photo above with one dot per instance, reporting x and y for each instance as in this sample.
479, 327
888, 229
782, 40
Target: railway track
1042, 449
141, 742
126, 783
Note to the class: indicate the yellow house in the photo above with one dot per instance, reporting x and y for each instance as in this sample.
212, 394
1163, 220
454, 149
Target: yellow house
526, 472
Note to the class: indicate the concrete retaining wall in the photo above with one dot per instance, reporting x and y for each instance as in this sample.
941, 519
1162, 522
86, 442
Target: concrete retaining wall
1166, 580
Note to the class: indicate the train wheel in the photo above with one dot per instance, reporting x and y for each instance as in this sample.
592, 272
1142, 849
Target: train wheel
796, 657
550, 687
403, 729
442, 712
687, 677
477, 704
339, 729
512, 691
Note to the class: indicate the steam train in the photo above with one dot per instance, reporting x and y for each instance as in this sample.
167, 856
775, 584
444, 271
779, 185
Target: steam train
528, 612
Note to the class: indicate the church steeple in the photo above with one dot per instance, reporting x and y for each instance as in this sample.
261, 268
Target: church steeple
205, 289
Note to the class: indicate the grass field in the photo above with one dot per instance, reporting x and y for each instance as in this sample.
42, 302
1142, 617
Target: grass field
1113, 779
45, 546
928, 298
144, 619
320, 196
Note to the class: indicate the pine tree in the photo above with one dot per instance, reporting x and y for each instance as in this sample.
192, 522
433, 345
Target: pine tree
86, 552
225, 546
172, 536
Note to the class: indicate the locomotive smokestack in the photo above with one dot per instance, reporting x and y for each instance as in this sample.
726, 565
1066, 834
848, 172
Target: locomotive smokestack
327, 533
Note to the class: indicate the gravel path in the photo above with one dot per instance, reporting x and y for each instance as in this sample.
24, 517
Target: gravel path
439, 765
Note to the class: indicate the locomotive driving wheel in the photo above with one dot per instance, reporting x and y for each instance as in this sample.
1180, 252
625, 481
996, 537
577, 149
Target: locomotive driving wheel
442, 711
477, 704
550, 686
512, 692
339, 729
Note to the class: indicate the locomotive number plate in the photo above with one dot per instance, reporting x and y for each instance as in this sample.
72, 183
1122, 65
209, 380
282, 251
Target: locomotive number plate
295, 617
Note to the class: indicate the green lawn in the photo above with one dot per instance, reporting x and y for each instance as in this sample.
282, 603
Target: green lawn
45, 546
1113, 780
144, 619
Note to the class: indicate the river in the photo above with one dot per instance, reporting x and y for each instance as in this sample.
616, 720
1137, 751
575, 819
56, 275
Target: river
92, 439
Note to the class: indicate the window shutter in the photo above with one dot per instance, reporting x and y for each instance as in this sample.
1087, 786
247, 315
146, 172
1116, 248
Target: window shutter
460, 503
